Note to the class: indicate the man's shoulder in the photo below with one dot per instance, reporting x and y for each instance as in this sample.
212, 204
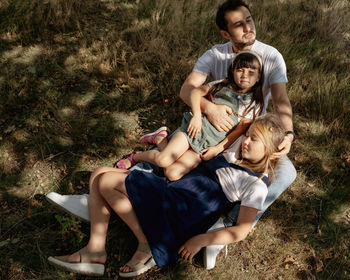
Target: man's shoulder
264, 49
221, 48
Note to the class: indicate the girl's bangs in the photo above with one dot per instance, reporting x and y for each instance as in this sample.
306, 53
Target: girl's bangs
247, 63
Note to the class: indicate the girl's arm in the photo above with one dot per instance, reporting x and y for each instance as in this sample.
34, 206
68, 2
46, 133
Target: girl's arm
212, 152
224, 236
195, 98
195, 124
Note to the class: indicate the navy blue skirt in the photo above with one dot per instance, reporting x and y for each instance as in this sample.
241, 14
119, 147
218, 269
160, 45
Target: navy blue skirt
171, 212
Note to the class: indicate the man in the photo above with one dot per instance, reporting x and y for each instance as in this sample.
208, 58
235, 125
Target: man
236, 24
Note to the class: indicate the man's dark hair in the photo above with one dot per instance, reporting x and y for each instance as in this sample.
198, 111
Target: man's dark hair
230, 5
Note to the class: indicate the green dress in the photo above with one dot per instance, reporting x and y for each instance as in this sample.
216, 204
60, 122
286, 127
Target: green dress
209, 135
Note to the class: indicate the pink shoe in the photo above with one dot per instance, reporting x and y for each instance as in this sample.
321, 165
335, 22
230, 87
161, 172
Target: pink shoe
121, 163
149, 138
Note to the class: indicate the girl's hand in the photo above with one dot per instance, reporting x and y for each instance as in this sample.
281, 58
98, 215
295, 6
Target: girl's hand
192, 247
195, 126
210, 152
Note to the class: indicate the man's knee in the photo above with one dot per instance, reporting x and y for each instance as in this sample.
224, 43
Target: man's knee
285, 173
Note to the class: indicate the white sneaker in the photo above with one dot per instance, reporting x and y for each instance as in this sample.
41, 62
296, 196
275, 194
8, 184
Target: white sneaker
211, 252
76, 205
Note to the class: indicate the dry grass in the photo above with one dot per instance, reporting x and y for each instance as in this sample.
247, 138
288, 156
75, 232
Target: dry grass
80, 81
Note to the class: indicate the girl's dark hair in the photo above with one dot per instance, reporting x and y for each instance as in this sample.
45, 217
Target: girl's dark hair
243, 60
230, 5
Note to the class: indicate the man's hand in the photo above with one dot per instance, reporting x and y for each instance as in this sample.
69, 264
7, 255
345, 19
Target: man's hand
192, 247
218, 117
210, 152
284, 147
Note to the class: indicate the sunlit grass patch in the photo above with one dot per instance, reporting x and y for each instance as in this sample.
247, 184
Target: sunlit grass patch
9, 161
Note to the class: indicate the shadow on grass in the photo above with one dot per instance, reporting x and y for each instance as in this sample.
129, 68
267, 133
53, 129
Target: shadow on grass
56, 121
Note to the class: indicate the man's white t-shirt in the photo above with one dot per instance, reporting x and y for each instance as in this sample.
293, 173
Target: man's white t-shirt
214, 63
241, 184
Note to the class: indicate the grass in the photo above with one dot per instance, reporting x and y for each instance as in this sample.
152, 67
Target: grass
80, 81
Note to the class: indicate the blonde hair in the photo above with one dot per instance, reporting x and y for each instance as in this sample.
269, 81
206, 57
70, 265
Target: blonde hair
270, 131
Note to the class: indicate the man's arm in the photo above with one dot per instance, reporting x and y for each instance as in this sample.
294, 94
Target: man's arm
283, 110
216, 114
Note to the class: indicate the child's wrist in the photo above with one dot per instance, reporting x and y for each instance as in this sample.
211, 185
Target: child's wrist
197, 115
220, 148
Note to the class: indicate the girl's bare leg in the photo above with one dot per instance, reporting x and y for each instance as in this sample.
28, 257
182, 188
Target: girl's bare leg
187, 162
176, 147
112, 188
99, 215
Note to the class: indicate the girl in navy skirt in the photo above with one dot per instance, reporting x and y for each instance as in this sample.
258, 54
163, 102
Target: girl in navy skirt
170, 219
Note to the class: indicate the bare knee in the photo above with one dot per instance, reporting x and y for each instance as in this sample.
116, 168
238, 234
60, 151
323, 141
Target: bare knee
163, 160
98, 171
105, 184
173, 174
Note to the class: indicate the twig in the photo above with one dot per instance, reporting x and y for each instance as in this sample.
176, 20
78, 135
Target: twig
318, 230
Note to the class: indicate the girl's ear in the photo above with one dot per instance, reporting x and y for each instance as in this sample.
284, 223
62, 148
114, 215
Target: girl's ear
225, 34
259, 77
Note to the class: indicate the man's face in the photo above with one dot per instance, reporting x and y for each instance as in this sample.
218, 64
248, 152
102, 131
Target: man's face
241, 29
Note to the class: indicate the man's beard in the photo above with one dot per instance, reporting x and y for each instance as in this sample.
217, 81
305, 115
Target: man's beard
243, 45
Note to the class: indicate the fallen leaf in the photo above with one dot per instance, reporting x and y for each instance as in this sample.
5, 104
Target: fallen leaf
29, 212
327, 255
319, 267
289, 259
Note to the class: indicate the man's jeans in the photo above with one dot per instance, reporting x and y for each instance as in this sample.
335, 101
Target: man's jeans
285, 174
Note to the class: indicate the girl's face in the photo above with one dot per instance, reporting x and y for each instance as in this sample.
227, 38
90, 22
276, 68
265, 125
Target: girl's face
246, 78
253, 149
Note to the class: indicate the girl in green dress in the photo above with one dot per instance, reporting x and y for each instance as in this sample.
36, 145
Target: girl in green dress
197, 139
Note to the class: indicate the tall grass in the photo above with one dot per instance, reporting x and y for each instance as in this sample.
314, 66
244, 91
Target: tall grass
80, 81
34, 19
315, 43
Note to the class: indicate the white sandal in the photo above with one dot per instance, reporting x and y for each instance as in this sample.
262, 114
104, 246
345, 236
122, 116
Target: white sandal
136, 266
85, 266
